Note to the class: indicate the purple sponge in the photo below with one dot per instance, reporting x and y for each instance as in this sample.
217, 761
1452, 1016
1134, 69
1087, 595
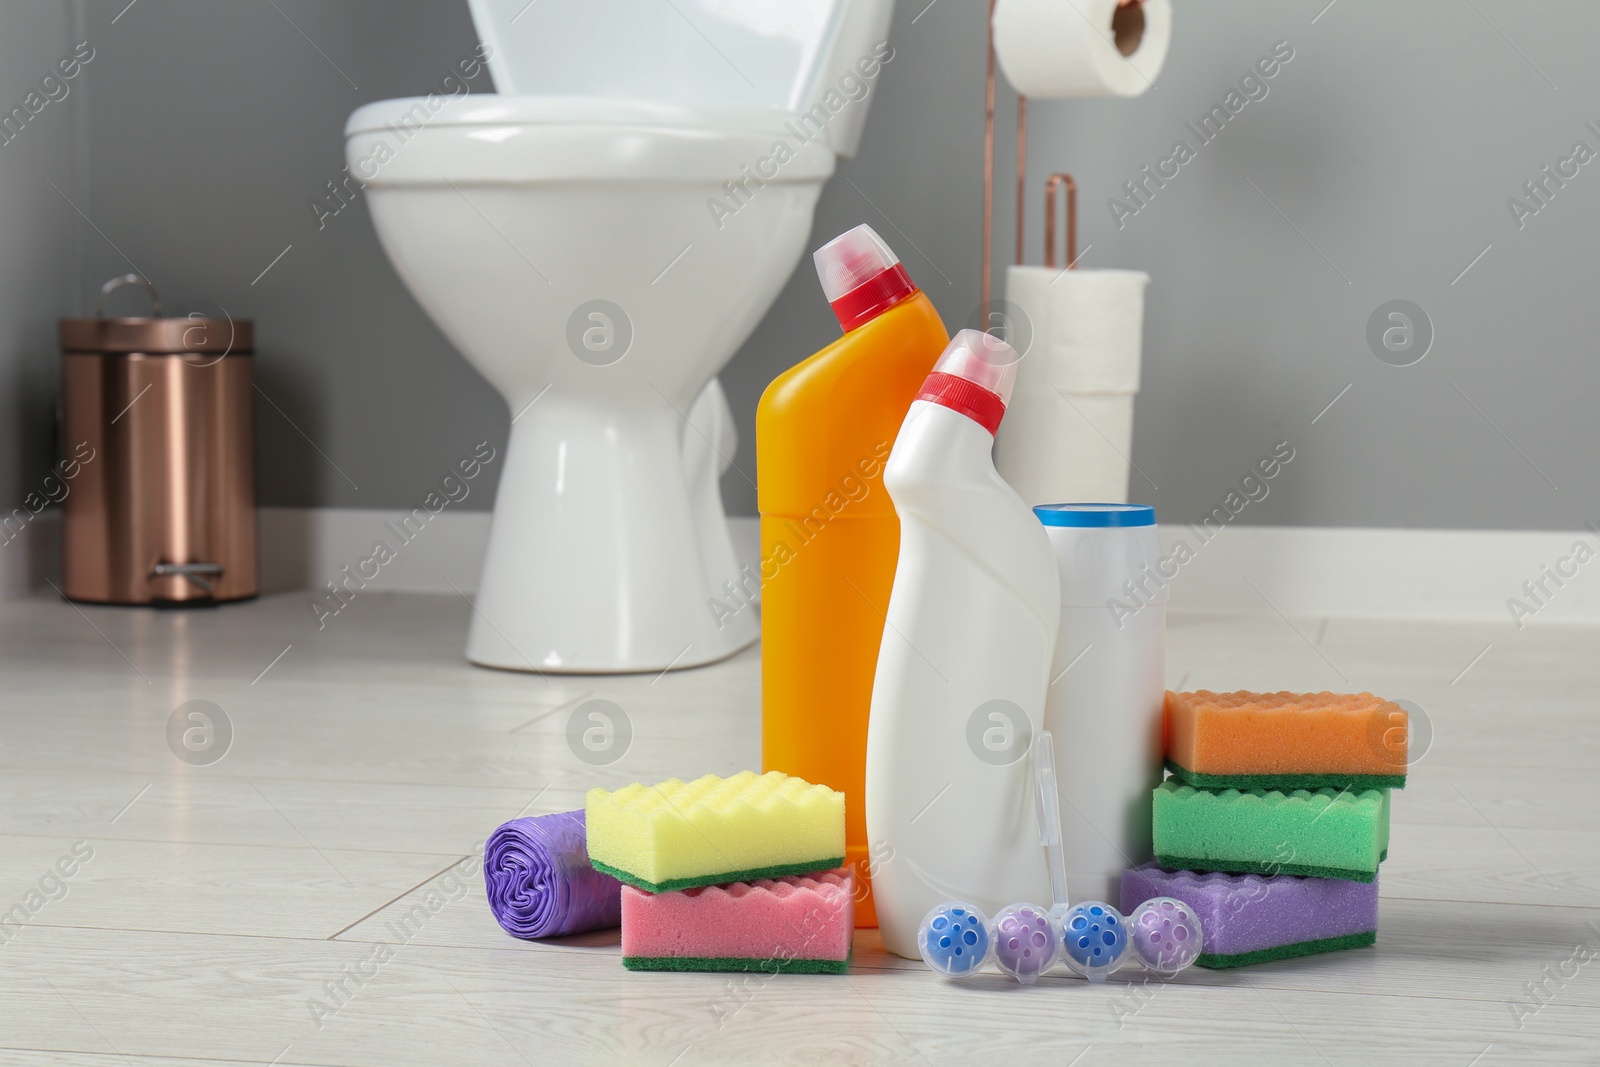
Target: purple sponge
1252, 918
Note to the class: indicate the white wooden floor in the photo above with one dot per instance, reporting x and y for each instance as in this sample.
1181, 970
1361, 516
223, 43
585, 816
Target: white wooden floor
369, 760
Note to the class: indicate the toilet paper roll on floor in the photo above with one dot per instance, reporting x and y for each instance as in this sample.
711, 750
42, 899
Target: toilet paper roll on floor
1052, 49
1068, 431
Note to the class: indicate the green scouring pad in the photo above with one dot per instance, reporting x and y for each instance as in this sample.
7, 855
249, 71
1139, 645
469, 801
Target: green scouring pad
1350, 782
1218, 962
730, 963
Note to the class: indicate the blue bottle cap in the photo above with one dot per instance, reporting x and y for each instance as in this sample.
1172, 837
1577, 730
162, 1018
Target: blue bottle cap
1096, 515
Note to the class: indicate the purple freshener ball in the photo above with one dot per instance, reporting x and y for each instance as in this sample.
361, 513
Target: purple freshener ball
1166, 934
1025, 942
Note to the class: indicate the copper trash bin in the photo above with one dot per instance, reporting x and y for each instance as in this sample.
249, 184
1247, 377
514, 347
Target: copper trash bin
164, 510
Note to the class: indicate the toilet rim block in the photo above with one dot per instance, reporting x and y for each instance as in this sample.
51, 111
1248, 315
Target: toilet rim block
1094, 939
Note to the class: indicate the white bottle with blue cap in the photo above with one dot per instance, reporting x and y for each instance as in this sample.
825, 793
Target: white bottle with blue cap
1108, 686
959, 690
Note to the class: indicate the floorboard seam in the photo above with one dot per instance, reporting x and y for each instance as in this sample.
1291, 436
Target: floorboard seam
335, 935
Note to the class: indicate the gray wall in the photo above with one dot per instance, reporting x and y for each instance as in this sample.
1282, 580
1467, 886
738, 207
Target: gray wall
1381, 158
36, 239
212, 126
1391, 143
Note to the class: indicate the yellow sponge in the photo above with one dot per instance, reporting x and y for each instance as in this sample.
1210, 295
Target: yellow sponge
677, 834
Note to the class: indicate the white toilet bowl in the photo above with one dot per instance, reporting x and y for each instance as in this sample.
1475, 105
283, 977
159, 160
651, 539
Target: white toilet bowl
570, 247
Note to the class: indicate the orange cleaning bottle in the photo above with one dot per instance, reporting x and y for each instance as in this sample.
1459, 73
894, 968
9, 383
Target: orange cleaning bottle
829, 535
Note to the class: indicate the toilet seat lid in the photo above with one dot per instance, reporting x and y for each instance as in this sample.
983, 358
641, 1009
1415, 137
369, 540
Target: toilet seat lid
752, 53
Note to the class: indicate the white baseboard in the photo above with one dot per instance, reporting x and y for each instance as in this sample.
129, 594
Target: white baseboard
303, 548
1454, 574
1451, 574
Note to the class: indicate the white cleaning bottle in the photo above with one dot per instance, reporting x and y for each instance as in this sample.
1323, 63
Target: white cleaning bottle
1108, 690
965, 660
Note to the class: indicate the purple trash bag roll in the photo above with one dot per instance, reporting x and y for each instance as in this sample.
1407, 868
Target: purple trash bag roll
539, 881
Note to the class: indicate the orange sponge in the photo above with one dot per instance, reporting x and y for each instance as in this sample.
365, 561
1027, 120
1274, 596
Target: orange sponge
1286, 740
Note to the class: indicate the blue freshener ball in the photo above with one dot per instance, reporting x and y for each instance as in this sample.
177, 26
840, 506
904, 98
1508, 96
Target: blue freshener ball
954, 939
1094, 939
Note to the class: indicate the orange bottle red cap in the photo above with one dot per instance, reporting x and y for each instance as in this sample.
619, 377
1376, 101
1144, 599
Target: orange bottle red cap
861, 276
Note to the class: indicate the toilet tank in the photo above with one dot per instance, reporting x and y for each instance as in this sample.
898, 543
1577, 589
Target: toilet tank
785, 55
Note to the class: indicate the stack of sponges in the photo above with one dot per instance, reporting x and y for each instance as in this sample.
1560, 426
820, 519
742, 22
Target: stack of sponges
727, 874
1286, 797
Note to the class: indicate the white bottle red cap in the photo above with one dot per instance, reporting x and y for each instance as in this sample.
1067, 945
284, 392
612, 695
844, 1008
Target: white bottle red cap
975, 376
861, 276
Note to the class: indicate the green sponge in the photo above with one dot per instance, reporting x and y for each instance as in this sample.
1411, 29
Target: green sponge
1324, 833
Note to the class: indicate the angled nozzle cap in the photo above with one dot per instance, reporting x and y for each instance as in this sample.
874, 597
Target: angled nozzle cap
861, 276
855, 256
982, 359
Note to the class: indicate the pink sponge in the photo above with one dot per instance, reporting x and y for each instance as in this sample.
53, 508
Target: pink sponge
800, 923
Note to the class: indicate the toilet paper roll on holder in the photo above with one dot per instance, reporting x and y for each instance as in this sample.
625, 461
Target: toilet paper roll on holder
1130, 24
